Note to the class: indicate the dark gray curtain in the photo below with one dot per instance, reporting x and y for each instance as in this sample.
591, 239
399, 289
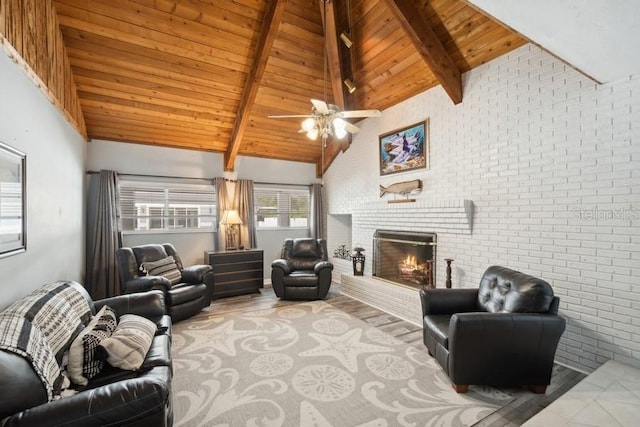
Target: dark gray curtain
104, 235
317, 215
222, 205
243, 201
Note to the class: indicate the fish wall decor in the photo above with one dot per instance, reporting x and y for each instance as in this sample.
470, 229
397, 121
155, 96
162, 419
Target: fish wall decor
403, 188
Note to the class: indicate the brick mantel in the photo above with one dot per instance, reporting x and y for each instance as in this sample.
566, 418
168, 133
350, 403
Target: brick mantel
444, 216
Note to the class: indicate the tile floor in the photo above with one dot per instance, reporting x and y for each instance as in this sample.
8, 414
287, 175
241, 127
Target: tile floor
610, 396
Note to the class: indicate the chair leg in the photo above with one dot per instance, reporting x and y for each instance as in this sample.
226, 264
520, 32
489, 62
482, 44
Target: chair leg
538, 389
461, 388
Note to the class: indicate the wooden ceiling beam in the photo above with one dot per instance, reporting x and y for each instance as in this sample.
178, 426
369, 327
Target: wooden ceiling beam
330, 153
268, 31
431, 49
333, 54
335, 66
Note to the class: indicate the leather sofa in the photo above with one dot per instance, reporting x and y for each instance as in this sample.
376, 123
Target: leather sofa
505, 333
114, 396
303, 271
188, 297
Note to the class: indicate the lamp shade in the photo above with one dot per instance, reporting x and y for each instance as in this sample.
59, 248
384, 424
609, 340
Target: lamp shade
230, 217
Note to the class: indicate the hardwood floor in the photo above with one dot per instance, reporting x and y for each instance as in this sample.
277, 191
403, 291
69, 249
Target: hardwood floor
524, 405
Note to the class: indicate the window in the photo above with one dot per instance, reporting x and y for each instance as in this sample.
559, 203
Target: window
281, 207
152, 206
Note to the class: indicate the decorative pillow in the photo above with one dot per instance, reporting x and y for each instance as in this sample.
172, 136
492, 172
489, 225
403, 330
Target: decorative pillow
83, 361
129, 344
165, 267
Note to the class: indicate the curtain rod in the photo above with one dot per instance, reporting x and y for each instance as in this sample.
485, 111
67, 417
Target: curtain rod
153, 176
199, 179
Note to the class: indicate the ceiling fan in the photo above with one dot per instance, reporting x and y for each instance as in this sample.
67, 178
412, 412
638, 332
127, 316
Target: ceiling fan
327, 119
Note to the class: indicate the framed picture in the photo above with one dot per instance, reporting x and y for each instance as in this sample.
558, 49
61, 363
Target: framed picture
12, 201
405, 149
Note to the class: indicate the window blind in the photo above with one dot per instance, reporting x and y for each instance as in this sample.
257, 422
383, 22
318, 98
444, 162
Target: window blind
279, 206
153, 206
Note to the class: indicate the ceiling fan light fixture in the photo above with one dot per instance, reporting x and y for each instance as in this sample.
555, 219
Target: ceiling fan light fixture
351, 86
344, 36
308, 124
312, 133
339, 127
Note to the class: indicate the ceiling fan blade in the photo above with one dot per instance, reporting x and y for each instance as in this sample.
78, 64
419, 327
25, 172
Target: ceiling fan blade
321, 106
360, 113
290, 116
351, 128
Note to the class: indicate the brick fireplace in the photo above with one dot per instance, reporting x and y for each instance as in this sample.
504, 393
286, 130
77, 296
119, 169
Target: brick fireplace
405, 257
357, 226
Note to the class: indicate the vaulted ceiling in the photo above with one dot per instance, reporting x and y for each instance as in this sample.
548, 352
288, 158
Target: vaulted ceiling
205, 74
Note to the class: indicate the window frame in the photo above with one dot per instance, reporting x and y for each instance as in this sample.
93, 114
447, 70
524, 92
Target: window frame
282, 216
167, 204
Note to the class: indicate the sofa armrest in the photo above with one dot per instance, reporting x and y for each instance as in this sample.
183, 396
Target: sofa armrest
118, 403
147, 304
448, 301
147, 283
282, 264
195, 273
321, 266
503, 344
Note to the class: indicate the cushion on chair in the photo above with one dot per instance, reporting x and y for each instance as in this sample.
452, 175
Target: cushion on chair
301, 278
184, 293
305, 248
130, 342
83, 363
165, 267
146, 253
503, 290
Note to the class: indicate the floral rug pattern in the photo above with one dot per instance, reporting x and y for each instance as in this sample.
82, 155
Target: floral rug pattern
311, 364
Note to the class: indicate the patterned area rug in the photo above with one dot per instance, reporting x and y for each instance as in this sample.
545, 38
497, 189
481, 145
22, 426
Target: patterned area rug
310, 364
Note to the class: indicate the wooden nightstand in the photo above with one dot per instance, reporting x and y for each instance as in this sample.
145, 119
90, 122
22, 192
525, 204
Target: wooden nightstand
236, 272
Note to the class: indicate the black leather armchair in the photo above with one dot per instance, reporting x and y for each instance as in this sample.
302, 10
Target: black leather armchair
503, 334
184, 299
303, 272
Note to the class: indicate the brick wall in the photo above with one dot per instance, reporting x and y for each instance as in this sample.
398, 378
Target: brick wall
551, 164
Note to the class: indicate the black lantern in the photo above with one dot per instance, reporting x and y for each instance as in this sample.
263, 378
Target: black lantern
358, 262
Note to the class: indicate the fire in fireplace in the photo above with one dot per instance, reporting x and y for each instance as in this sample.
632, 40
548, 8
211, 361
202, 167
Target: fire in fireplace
406, 258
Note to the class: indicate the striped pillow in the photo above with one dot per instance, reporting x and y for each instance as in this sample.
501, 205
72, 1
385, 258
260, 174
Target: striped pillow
165, 267
129, 344
83, 361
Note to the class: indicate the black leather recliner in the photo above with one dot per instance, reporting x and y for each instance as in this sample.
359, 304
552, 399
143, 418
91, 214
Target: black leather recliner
503, 334
303, 271
184, 299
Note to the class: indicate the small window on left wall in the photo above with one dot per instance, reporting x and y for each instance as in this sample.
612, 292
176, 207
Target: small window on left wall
13, 221
152, 207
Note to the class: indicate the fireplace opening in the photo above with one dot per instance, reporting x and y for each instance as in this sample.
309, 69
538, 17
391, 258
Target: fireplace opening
404, 257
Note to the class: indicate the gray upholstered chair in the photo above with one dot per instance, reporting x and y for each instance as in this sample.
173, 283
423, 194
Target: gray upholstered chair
505, 333
187, 289
303, 271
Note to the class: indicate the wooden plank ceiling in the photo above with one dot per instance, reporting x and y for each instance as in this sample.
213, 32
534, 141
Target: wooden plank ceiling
204, 74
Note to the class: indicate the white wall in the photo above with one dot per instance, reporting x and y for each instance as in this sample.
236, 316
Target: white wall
153, 160
55, 187
545, 155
